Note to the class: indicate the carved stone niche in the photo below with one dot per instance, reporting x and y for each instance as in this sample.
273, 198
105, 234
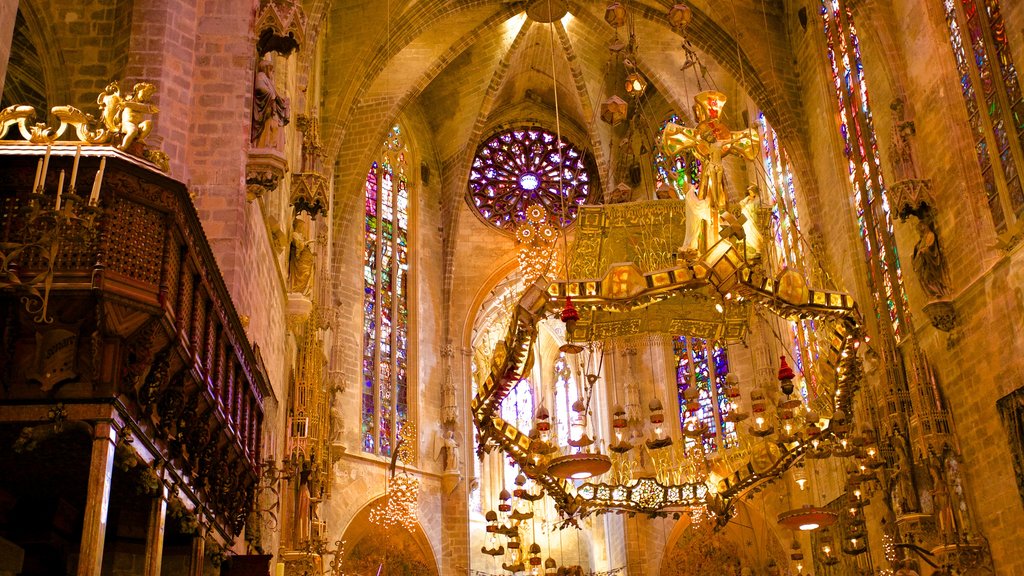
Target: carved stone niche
309, 185
263, 172
281, 26
911, 197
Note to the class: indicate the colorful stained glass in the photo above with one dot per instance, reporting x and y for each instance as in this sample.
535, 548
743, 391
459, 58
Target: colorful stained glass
384, 406
519, 167
678, 171
996, 111
696, 367
856, 126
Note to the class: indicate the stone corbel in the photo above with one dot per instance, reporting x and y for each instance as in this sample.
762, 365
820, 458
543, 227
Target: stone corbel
263, 172
281, 26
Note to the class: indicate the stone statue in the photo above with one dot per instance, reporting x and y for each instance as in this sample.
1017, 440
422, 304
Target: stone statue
269, 111
928, 261
905, 497
451, 452
944, 520
301, 259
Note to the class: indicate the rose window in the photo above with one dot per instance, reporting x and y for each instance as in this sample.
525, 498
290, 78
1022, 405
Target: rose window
518, 168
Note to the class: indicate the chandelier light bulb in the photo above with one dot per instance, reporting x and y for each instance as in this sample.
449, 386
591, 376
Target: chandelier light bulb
808, 527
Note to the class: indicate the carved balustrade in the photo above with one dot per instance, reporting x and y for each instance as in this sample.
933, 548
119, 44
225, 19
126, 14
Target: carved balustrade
136, 316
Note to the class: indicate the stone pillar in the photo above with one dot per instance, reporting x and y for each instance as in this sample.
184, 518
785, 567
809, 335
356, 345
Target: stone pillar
155, 535
8, 13
195, 566
97, 500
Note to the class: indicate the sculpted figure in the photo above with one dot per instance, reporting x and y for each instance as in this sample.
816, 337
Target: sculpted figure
134, 109
750, 205
110, 107
269, 111
698, 224
928, 261
451, 452
300, 258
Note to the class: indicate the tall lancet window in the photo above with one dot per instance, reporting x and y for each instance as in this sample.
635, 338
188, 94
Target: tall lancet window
385, 398
783, 227
861, 149
995, 107
704, 365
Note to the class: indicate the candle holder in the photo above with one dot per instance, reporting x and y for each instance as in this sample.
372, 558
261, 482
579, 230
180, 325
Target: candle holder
51, 222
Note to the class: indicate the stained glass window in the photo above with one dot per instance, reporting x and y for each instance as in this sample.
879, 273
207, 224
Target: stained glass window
675, 172
519, 167
385, 396
783, 227
856, 126
705, 365
977, 35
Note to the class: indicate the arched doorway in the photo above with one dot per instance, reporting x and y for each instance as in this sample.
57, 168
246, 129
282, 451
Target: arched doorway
373, 550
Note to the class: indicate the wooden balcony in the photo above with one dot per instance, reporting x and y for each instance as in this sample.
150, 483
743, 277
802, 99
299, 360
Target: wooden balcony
121, 315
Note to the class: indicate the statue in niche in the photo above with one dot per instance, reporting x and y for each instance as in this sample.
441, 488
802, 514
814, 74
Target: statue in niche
958, 501
269, 110
904, 494
301, 259
451, 452
928, 261
945, 522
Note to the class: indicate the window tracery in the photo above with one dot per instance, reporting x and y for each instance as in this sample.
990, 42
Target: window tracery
856, 126
705, 365
519, 167
384, 398
977, 35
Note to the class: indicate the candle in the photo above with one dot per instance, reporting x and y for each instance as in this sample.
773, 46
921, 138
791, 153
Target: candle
94, 197
46, 166
39, 172
74, 169
60, 187
279, 569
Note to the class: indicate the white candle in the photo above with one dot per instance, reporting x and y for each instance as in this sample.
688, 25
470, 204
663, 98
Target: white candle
74, 169
46, 166
60, 187
39, 172
94, 197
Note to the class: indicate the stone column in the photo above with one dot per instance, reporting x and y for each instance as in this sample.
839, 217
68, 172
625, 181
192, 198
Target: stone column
97, 500
195, 566
155, 535
8, 13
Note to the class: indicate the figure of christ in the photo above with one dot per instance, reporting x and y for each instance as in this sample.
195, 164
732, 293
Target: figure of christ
710, 142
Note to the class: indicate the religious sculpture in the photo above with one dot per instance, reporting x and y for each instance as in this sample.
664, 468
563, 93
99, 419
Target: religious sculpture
943, 511
698, 224
904, 494
928, 261
301, 259
750, 207
126, 115
451, 452
710, 142
269, 110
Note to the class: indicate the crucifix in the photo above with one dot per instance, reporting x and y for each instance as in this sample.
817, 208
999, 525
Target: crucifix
709, 141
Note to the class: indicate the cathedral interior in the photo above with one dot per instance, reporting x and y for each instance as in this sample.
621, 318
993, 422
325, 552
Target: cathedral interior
524, 287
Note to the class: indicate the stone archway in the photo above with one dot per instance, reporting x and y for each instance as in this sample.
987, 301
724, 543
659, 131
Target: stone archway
372, 550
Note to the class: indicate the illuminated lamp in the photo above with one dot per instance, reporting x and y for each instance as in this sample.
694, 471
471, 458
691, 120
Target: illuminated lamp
635, 84
807, 518
579, 466
679, 16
